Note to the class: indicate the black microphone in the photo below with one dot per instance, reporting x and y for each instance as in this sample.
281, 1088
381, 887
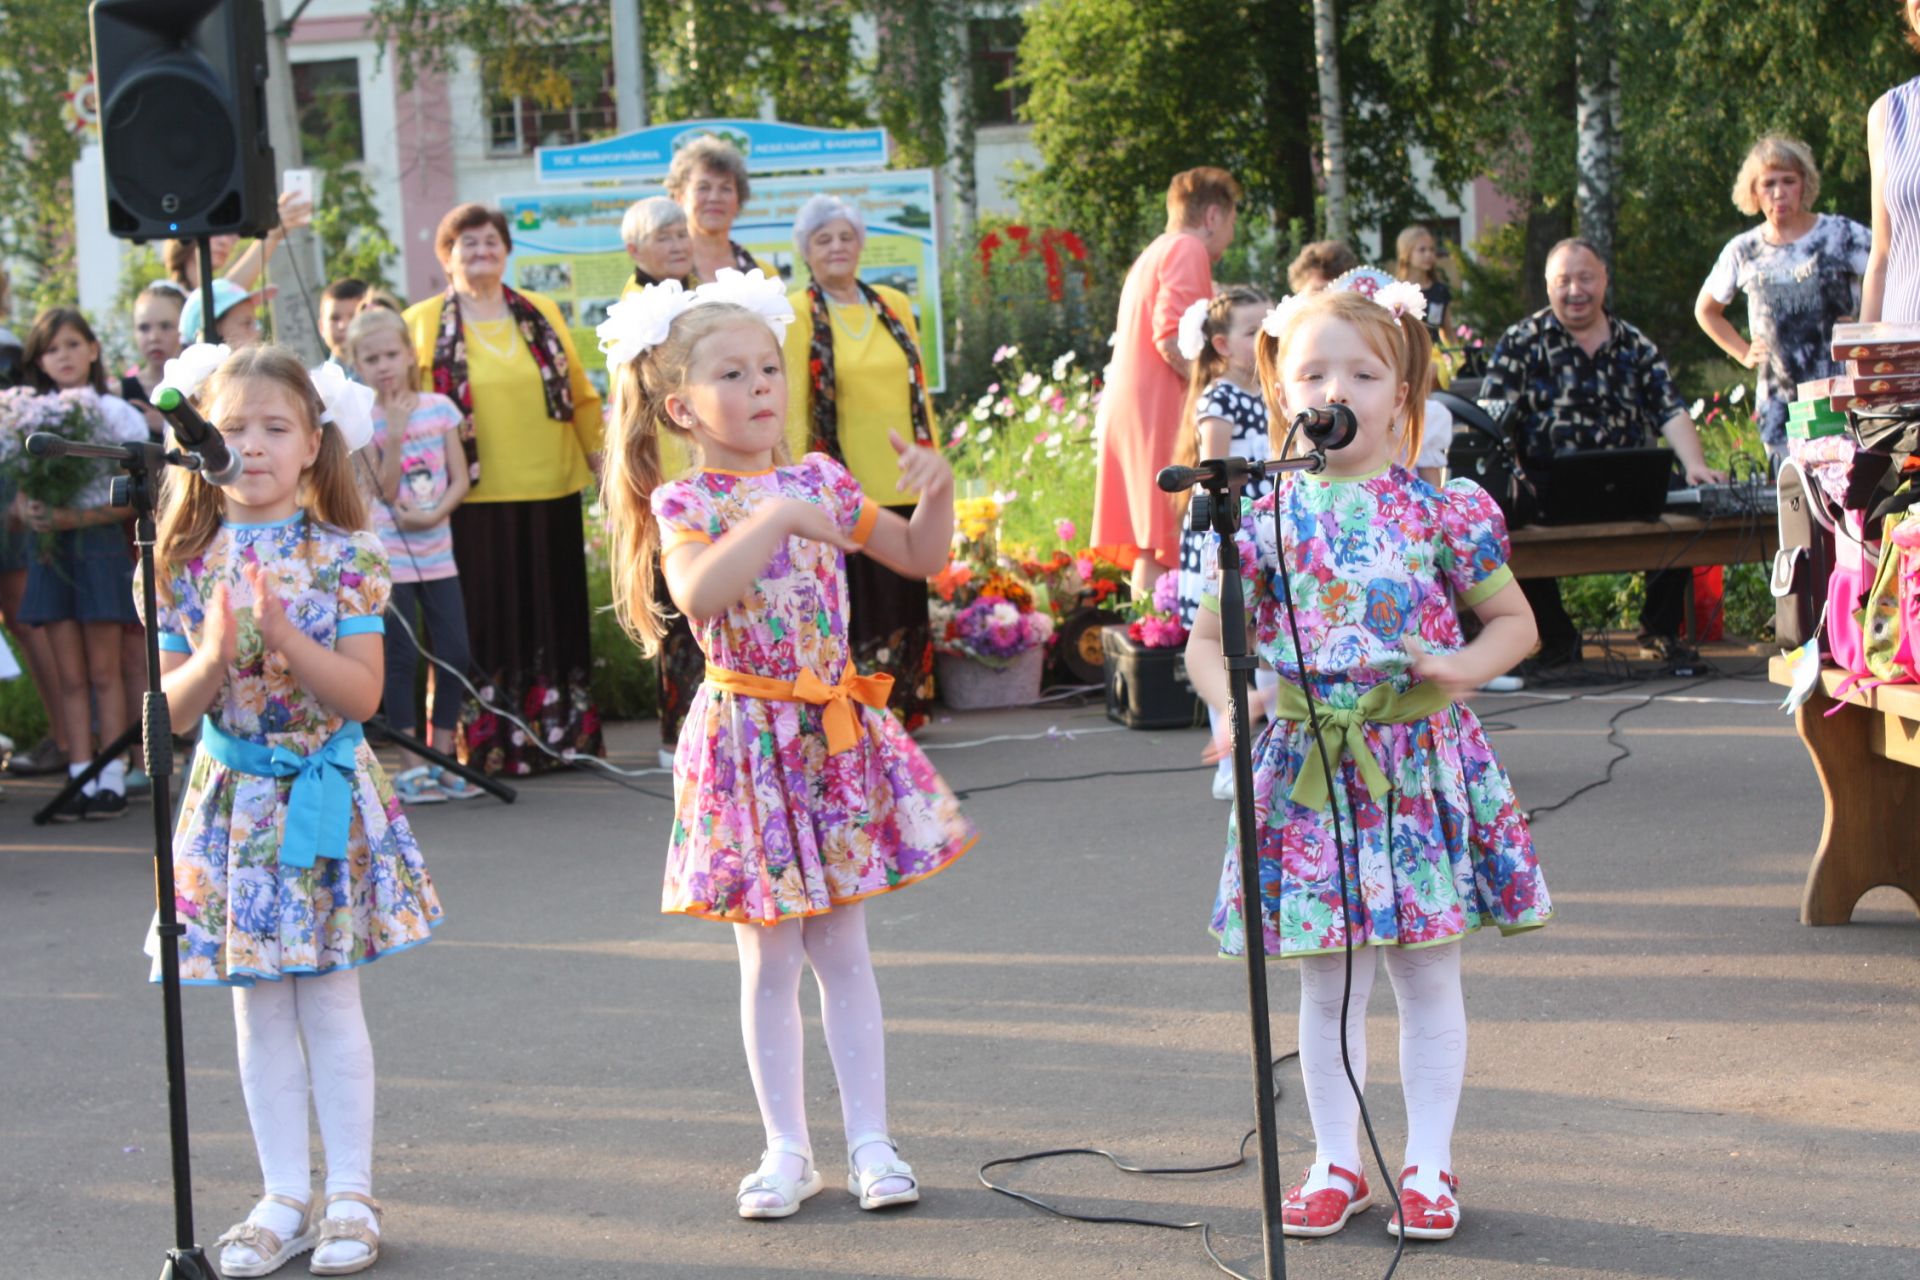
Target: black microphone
198, 437
1329, 426
1180, 479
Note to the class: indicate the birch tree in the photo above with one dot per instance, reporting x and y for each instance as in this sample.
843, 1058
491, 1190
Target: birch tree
1597, 123
1333, 116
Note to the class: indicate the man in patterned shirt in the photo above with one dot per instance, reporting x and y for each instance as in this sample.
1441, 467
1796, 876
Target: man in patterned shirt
1579, 378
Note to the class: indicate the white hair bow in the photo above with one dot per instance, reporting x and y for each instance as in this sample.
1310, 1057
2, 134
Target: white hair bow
1276, 319
189, 371
347, 404
1403, 298
765, 296
636, 324
1193, 329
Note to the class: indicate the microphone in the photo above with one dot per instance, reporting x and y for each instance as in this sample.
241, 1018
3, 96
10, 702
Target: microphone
1329, 426
1180, 479
198, 437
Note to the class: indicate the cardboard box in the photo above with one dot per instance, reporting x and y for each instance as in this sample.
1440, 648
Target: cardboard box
1881, 341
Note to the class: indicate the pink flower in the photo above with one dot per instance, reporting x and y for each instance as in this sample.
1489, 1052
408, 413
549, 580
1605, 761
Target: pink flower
1084, 567
1064, 529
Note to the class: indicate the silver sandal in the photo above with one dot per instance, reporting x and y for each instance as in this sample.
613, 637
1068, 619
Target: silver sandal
272, 1252
791, 1191
860, 1182
334, 1229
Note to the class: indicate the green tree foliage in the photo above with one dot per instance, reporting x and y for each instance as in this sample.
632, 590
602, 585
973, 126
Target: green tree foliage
44, 43
352, 240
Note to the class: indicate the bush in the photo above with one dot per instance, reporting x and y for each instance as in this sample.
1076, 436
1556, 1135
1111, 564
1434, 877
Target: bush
1028, 441
22, 718
624, 683
1005, 292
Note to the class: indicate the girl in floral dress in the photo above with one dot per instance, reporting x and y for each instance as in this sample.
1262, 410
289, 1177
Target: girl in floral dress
1436, 844
796, 795
289, 877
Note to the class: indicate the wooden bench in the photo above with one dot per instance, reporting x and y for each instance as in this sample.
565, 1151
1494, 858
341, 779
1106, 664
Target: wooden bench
1867, 755
1629, 546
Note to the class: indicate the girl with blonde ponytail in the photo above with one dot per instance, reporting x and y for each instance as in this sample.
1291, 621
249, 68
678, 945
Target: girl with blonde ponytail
796, 795
1411, 837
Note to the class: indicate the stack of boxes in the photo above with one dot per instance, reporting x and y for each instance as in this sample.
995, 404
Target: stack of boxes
1883, 368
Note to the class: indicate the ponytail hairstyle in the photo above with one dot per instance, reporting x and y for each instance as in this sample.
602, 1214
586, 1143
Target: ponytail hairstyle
1208, 367
191, 510
641, 387
46, 327
1402, 342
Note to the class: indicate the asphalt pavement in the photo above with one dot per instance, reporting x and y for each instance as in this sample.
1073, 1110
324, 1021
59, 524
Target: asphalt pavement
1674, 1079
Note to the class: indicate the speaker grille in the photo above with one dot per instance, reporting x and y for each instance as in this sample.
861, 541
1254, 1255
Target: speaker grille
168, 146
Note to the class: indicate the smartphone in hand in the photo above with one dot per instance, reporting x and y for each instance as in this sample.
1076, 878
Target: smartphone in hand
298, 183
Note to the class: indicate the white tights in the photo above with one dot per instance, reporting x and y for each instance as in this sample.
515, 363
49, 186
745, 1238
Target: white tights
771, 960
1433, 1056
274, 1020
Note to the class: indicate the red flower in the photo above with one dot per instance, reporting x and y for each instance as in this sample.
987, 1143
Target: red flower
1074, 245
1019, 232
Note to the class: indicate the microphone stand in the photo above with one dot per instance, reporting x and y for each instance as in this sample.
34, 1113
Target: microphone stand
1219, 510
143, 464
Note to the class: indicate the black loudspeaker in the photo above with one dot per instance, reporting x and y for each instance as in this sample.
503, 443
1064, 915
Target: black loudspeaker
183, 120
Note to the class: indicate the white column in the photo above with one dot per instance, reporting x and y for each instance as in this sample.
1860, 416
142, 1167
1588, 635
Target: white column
96, 254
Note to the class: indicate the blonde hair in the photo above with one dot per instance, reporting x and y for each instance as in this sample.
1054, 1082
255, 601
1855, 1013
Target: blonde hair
1207, 366
708, 151
1403, 253
1776, 151
641, 388
377, 319
1403, 344
192, 510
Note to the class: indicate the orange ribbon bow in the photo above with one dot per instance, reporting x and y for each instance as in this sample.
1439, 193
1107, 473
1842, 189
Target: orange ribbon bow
838, 717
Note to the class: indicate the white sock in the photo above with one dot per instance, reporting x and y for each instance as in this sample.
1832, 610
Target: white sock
771, 958
1330, 1101
273, 1078
836, 946
114, 777
340, 1062
1433, 1056
93, 784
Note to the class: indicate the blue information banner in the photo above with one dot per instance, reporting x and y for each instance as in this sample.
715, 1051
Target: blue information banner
770, 146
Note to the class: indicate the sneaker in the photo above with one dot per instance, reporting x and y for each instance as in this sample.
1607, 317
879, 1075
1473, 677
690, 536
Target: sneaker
104, 804
1223, 786
1679, 657
666, 758
73, 809
416, 786
138, 783
45, 758
1512, 682
455, 787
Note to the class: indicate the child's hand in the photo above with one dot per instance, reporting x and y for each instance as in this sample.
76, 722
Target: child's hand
1442, 669
922, 470
221, 639
810, 520
269, 614
1259, 707
37, 515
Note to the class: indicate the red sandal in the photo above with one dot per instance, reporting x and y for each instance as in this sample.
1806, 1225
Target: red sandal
1427, 1219
1326, 1211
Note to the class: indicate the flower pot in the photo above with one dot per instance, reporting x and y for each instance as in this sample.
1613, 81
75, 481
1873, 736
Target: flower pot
1148, 688
967, 685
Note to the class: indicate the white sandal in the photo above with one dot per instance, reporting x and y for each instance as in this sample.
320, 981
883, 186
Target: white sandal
860, 1182
790, 1191
272, 1252
333, 1230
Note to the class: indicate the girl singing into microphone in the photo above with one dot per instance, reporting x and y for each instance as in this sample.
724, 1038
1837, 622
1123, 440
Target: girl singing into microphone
1396, 830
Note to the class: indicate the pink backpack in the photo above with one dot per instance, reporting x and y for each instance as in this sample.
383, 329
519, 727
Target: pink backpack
1855, 564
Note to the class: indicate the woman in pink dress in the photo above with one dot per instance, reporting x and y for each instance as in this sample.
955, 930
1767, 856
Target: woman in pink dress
1140, 411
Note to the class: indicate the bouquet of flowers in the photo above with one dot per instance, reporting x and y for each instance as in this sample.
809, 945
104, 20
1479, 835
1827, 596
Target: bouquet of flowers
73, 414
1156, 623
984, 607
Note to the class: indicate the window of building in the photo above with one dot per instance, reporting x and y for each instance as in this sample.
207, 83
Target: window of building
519, 119
993, 51
326, 97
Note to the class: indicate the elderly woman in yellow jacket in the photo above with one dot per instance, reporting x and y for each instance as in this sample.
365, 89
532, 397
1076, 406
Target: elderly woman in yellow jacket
533, 435
854, 373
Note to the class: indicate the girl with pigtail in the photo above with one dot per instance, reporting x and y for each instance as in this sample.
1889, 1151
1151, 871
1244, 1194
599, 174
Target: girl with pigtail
1395, 832
1229, 419
294, 864
796, 795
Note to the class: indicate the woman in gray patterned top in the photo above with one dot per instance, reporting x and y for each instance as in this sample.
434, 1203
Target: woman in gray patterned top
1801, 273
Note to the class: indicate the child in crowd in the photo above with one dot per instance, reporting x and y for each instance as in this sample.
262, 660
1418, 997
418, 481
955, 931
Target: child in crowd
1400, 833
797, 795
1230, 421
80, 583
414, 475
157, 336
339, 304
1319, 265
270, 628
236, 314
1416, 258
